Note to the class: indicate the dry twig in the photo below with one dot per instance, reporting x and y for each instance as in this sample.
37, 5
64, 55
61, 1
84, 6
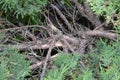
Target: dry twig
46, 60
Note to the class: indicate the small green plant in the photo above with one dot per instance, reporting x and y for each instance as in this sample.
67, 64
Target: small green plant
13, 65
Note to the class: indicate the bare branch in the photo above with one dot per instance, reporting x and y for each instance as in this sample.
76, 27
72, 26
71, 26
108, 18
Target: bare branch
46, 60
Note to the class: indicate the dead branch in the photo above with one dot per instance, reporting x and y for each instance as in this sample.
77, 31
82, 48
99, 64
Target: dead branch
34, 66
43, 44
105, 34
68, 45
62, 16
32, 45
87, 12
22, 27
83, 45
46, 60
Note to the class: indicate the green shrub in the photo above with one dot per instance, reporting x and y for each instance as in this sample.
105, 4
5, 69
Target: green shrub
29, 9
109, 7
65, 63
13, 65
104, 64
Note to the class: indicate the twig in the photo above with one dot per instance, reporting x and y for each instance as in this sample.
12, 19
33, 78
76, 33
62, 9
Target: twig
62, 16
41, 44
68, 45
60, 25
87, 12
22, 27
38, 45
83, 45
34, 66
46, 60
51, 25
98, 33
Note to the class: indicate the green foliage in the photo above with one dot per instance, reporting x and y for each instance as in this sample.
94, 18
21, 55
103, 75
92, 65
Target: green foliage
13, 65
108, 61
65, 63
109, 7
100, 6
3, 72
86, 75
104, 64
2, 35
66, 59
66, 2
29, 9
